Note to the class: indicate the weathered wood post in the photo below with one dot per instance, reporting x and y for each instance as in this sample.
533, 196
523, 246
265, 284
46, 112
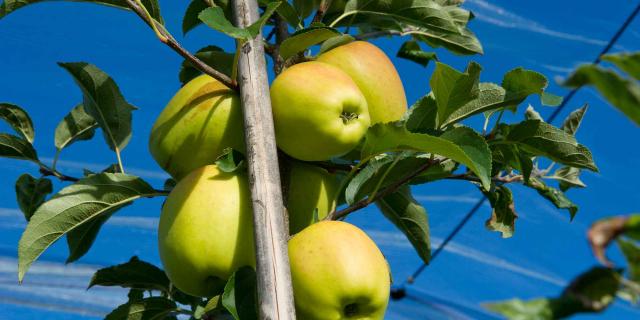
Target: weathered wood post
275, 296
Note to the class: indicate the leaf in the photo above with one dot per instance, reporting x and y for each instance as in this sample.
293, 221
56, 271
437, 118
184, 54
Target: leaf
31, 192
230, 160
335, 42
410, 217
542, 139
622, 93
557, 197
76, 126
286, 11
453, 89
520, 83
74, 205
631, 253
602, 233
569, 177
632, 227
9, 6
304, 39
211, 55
592, 291
239, 297
572, 123
512, 156
18, 119
462, 145
212, 304
80, 239
503, 216
426, 20
411, 51
103, 102
135, 274
305, 7
151, 308
214, 17
422, 116
516, 309
627, 62
16, 148
191, 20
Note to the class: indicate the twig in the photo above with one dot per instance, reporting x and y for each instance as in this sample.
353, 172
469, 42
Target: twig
381, 194
165, 37
322, 9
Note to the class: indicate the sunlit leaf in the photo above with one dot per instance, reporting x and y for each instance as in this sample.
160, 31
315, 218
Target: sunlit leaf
18, 119
151, 308
304, 39
76, 126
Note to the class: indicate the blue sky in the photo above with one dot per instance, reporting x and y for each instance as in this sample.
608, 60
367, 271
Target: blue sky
546, 252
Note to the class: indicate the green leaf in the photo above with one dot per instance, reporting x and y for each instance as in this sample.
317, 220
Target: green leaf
627, 62
152, 308
520, 83
135, 274
211, 55
286, 11
9, 6
453, 89
103, 102
76, 126
239, 297
411, 51
75, 205
212, 304
335, 42
542, 139
16, 148
191, 20
622, 93
572, 123
632, 227
214, 17
631, 253
80, 239
503, 216
305, 7
410, 217
557, 197
31, 192
18, 119
516, 309
462, 145
230, 160
422, 116
568, 177
426, 20
304, 39
512, 156
490, 97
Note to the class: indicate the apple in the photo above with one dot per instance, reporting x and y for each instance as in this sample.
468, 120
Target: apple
338, 272
200, 121
206, 230
318, 111
310, 188
375, 75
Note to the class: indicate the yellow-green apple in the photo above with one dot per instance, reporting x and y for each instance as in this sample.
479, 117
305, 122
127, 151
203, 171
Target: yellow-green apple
201, 120
318, 111
338, 273
375, 75
310, 188
206, 230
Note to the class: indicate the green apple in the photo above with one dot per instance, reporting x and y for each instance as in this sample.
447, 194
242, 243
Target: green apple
338, 272
201, 120
318, 111
310, 188
375, 75
206, 230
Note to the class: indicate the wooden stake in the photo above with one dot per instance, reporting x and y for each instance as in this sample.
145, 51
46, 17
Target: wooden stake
275, 296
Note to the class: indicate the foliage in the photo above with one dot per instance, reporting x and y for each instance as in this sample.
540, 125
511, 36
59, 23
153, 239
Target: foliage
432, 142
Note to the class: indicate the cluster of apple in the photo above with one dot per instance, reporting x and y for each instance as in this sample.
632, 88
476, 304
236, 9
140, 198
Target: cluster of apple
322, 110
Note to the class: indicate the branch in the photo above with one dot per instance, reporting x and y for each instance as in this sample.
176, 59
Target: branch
381, 194
322, 9
166, 38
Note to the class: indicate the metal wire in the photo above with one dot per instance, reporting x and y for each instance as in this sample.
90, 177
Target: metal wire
400, 292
